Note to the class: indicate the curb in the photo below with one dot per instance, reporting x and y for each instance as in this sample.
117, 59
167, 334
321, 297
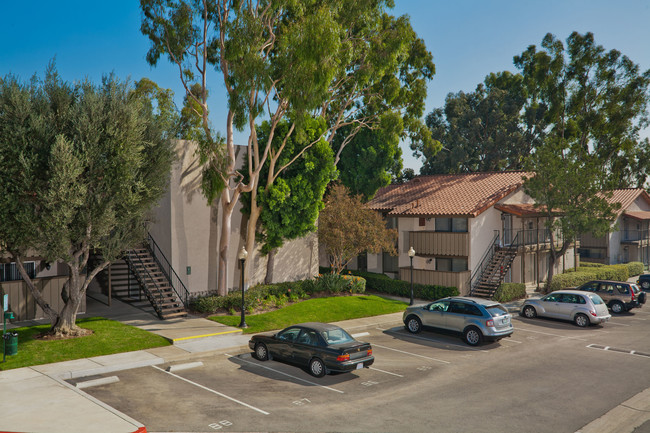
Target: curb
174, 340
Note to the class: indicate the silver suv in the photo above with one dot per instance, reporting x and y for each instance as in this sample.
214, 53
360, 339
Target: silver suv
475, 319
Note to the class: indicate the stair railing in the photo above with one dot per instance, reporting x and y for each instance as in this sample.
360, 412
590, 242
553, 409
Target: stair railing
157, 299
174, 280
483, 263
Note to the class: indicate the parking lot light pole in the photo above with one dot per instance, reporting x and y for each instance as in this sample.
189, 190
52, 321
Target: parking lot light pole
411, 254
242, 260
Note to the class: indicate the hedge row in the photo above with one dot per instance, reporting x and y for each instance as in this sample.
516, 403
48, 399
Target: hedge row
590, 272
510, 291
383, 284
278, 295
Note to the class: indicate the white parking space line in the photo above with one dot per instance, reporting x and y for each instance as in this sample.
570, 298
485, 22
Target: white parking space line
412, 354
616, 350
436, 340
509, 340
285, 374
387, 372
213, 391
360, 334
550, 334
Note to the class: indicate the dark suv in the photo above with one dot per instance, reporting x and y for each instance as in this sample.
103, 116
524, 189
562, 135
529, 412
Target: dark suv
619, 296
644, 282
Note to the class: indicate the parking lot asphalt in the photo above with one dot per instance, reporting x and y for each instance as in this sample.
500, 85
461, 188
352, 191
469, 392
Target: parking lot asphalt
44, 398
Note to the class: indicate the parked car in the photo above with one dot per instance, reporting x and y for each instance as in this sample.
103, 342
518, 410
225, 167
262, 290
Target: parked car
475, 319
321, 347
620, 296
582, 308
644, 282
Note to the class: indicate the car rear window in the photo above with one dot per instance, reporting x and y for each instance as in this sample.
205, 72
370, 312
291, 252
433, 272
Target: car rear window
496, 310
336, 336
597, 300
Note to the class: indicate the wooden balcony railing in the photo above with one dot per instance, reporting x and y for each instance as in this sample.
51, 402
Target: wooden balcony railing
440, 278
440, 243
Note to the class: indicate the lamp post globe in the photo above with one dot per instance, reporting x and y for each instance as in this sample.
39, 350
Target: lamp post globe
411, 254
243, 254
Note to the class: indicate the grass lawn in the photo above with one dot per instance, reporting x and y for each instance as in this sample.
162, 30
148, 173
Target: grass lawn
109, 337
316, 310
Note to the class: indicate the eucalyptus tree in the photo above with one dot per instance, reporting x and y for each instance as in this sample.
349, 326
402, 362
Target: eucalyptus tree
80, 168
590, 105
348, 62
291, 203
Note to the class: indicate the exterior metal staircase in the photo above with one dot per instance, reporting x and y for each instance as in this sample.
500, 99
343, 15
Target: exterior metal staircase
154, 284
146, 271
494, 266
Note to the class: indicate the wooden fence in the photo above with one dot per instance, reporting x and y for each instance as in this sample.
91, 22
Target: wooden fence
23, 304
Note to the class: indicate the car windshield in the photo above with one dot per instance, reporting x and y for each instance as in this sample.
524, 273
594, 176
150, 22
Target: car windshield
336, 336
597, 300
496, 310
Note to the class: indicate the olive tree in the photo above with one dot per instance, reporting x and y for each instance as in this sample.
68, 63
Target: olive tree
80, 167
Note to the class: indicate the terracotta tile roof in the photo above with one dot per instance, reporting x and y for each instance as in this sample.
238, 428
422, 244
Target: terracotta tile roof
640, 215
627, 196
447, 194
521, 210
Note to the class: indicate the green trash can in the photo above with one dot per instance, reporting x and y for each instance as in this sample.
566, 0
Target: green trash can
11, 343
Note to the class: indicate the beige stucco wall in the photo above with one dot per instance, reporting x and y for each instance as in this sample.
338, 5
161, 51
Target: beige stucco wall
187, 229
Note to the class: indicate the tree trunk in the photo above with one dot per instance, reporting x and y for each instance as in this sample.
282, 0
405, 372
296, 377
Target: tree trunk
553, 255
270, 262
73, 293
224, 241
250, 233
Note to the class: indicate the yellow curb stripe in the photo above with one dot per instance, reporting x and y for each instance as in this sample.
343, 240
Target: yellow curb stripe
206, 335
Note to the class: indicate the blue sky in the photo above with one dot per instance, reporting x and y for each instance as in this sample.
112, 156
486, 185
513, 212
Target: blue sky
468, 39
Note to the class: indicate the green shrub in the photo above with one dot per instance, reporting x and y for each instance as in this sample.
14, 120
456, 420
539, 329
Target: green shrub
278, 295
595, 271
570, 279
590, 265
381, 283
510, 291
612, 272
332, 283
635, 268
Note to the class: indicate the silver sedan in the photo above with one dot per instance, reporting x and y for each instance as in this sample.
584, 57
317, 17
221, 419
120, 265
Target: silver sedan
582, 308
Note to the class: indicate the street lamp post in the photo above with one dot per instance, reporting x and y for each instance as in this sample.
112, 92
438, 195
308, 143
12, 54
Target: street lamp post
411, 254
242, 259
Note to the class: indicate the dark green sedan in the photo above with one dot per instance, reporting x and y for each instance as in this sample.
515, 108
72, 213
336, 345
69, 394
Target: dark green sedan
321, 347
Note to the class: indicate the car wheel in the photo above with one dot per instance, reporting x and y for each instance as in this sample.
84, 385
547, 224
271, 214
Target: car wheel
645, 285
413, 324
472, 336
261, 352
317, 368
530, 312
617, 307
581, 320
